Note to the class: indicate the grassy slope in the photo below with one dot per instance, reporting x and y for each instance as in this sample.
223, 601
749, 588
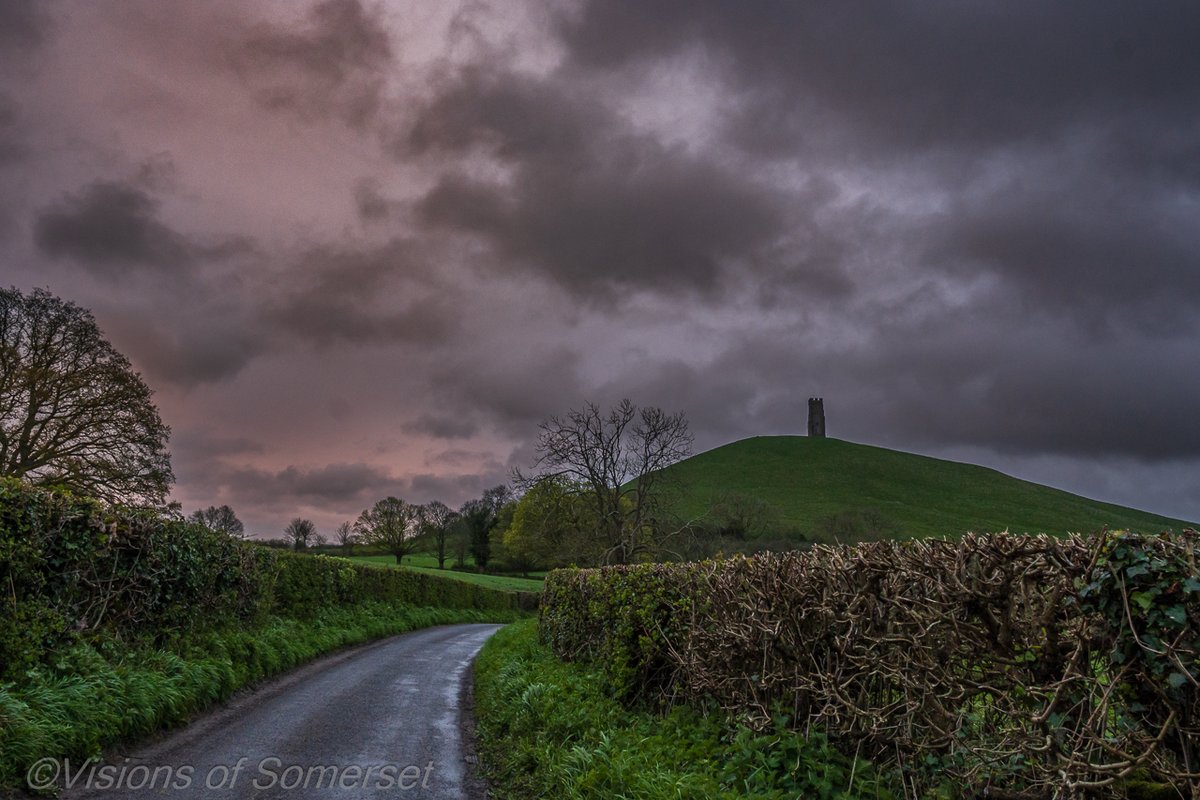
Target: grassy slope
810, 478
489, 581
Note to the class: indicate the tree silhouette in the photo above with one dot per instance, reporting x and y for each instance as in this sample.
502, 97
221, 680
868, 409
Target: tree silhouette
72, 410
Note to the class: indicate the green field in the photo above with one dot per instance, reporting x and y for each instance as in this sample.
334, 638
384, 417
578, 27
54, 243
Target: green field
425, 563
809, 479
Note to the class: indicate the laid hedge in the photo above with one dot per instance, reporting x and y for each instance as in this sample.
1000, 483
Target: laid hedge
73, 568
1025, 665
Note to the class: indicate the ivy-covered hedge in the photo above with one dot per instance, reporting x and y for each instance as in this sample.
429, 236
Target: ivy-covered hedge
72, 568
1020, 664
624, 618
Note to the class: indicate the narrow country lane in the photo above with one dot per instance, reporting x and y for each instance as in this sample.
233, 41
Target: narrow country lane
378, 721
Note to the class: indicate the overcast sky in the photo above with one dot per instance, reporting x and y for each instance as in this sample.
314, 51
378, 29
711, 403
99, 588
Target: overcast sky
362, 248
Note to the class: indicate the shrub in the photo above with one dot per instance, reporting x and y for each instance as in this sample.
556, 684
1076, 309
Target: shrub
622, 618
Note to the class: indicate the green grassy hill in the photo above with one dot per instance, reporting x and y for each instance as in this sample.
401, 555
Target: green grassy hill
811, 479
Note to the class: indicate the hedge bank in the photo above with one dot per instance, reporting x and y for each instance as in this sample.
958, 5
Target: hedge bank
115, 623
1026, 665
72, 568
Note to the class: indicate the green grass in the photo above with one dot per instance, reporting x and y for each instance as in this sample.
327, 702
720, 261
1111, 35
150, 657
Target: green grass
809, 479
428, 564
91, 696
550, 729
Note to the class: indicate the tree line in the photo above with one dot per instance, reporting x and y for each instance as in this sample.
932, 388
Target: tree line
74, 414
394, 526
594, 495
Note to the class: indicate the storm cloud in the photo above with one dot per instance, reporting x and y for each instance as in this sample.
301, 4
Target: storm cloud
112, 226
362, 248
329, 68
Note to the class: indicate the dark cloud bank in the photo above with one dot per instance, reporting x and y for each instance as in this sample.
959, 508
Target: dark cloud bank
1051, 154
971, 227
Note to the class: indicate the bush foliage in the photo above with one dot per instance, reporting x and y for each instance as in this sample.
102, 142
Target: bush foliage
1009, 663
72, 569
117, 622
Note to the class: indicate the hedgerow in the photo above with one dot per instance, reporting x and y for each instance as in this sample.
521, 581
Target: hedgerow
117, 622
72, 568
1006, 663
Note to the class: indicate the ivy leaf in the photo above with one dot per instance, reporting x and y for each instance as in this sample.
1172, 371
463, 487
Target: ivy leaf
1176, 679
1177, 615
1192, 585
1135, 570
1143, 599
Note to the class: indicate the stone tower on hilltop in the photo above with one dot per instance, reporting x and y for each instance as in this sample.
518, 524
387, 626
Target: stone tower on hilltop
816, 416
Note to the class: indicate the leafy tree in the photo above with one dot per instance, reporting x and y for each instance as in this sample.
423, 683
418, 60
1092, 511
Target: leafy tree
616, 461
72, 410
220, 519
346, 538
302, 532
548, 527
393, 524
437, 524
479, 517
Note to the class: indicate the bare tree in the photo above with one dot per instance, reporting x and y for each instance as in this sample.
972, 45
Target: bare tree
615, 460
346, 538
437, 522
393, 524
302, 532
220, 519
72, 410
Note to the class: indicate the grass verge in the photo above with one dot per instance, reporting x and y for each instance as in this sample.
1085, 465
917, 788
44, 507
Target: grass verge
549, 729
91, 696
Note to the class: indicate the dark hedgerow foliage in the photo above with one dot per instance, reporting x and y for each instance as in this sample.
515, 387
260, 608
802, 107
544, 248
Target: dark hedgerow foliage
116, 622
72, 568
623, 619
306, 584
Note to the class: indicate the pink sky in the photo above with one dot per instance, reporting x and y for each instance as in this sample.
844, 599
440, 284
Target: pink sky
361, 249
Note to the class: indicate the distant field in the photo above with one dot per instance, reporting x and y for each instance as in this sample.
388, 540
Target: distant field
811, 478
422, 563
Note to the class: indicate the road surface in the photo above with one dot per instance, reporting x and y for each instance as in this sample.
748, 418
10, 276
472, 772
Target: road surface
378, 721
